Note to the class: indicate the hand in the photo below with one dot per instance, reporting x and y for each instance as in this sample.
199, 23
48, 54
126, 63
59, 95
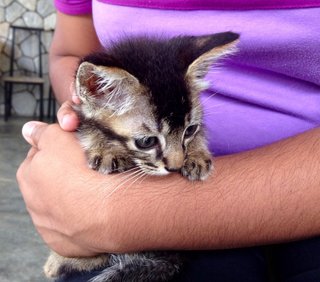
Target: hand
77, 211
51, 180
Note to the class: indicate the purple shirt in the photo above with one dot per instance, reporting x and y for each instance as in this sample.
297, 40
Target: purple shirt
270, 90
84, 6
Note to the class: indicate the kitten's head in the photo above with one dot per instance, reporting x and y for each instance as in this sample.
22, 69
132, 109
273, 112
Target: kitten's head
146, 91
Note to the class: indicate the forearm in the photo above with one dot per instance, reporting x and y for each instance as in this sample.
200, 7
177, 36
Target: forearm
261, 196
62, 73
66, 50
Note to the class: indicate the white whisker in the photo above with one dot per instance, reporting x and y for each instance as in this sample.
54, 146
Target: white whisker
140, 176
203, 101
143, 178
212, 107
131, 177
124, 177
209, 97
128, 170
207, 111
147, 169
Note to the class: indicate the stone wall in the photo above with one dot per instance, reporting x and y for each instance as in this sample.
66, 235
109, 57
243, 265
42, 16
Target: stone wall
30, 13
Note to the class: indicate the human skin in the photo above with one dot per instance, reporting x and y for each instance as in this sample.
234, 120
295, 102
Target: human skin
74, 37
256, 197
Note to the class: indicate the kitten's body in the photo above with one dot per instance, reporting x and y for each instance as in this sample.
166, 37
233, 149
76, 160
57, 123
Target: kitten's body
140, 108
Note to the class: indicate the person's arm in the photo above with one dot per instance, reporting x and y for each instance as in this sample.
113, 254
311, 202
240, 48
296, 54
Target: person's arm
261, 196
74, 37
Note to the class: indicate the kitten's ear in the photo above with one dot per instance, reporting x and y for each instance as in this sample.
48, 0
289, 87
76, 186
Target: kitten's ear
108, 87
206, 51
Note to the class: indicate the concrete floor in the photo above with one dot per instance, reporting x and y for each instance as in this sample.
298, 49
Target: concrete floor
22, 252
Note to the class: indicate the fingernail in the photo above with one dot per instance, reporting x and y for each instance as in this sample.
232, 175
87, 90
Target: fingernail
64, 120
27, 130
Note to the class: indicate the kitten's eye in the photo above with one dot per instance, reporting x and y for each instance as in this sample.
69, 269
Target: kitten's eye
190, 130
146, 142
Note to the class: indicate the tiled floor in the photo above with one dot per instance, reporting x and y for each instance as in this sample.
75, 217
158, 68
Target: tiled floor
22, 252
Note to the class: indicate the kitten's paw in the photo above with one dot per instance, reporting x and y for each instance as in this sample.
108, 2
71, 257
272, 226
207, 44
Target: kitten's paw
109, 163
197, 166
52, 267
57, 265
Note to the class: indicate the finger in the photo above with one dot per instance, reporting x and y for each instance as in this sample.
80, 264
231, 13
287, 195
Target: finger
67, 117
23, 172
75, 97
32, 152
32, 130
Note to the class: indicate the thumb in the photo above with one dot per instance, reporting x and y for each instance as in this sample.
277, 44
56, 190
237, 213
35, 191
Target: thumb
32, 130
67, 117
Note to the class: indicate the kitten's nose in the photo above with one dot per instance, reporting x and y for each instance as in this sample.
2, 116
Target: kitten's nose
172, 169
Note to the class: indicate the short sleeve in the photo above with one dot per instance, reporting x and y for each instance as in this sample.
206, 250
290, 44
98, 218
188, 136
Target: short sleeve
74, 7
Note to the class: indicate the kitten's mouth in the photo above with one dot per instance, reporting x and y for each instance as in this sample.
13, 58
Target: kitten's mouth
160, 172
172, 169
154, 170
157, 168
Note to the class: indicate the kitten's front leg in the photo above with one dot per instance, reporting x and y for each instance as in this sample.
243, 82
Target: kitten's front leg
197, 164
103, 154
57, 265
109, 161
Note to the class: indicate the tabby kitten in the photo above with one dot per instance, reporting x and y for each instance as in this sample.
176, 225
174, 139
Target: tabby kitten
140, 108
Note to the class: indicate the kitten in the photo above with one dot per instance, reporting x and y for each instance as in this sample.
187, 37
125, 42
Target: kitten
140, 108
